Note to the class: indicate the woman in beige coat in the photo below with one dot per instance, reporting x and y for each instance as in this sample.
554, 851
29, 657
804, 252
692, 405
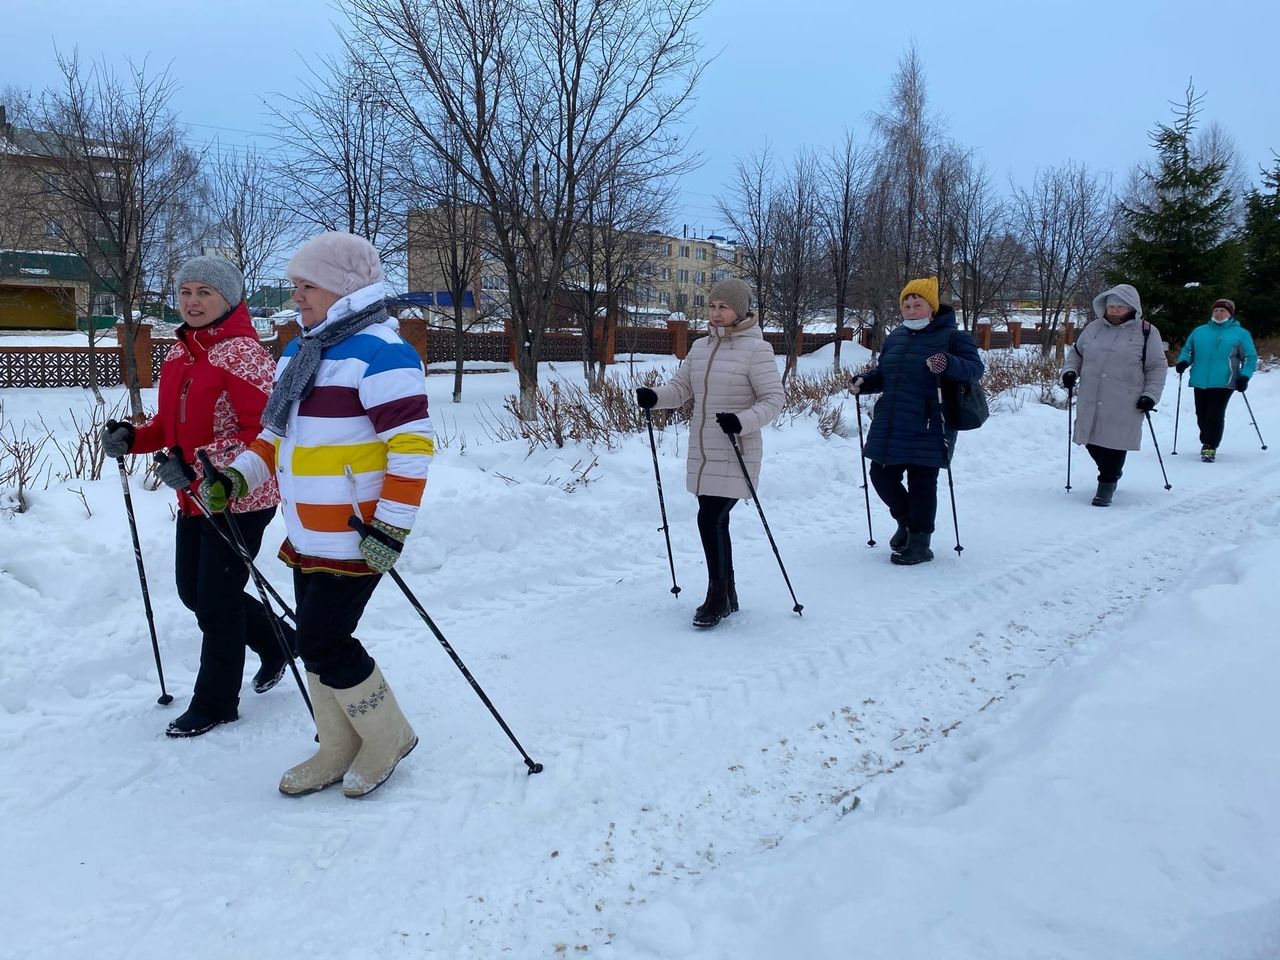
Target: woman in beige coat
731, 375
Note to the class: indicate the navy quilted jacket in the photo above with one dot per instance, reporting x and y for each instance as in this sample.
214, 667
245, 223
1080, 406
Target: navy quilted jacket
907, 425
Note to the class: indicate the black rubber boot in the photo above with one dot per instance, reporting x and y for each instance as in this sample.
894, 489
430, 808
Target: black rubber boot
901, 537
1103, 497
193, 723
716, 607
916, 551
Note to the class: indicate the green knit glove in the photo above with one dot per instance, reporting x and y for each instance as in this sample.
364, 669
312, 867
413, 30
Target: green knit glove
215, 492
381, 548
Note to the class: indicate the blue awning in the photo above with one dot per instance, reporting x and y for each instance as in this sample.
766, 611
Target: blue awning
431, 298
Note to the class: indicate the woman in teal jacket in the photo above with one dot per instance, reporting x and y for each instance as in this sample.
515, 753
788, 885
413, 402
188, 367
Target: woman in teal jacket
1222, 358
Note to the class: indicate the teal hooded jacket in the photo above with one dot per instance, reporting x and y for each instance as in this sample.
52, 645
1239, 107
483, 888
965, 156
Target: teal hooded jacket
1218, 353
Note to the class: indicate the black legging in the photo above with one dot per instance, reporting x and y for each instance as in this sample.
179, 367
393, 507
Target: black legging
916, 503
1110, 462
1211, 413
713, 528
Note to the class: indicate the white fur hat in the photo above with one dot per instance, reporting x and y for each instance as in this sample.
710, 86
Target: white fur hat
341, 263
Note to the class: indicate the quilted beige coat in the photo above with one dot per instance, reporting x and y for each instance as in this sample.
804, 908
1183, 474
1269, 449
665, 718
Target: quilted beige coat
731, 370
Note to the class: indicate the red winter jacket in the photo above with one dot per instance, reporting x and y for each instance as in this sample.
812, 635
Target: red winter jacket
214, 384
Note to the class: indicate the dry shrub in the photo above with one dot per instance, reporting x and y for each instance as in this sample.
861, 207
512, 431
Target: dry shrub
1268, 353
1007, 369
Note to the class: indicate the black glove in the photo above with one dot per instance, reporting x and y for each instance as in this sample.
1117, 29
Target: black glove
646, 398
1242, 383
1069, 378
1146, 404
1181, 366
729, 422
173, 471
855, 385
117, 438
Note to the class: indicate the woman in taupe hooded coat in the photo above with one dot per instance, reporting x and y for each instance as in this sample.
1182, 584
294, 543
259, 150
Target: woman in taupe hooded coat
732, 377
1119, 361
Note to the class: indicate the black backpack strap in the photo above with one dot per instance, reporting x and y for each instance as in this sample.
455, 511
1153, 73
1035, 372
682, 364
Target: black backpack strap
1146, 335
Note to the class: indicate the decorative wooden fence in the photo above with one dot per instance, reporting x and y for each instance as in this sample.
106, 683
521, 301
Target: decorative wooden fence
69, 366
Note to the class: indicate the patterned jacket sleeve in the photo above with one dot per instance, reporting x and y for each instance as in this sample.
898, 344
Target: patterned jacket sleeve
247, 375
393, 392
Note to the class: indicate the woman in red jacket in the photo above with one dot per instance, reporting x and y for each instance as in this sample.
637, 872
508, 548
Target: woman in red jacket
213, 386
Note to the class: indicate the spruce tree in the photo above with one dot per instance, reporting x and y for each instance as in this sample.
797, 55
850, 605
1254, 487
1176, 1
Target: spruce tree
1259, 301
1179, 230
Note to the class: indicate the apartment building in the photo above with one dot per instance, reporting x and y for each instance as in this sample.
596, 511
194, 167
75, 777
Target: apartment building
43, 284
664, 274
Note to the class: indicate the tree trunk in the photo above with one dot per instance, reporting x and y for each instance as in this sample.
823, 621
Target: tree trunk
459, 341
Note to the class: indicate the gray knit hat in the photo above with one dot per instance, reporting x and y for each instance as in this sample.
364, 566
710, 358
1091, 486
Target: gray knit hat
736, 293
218, 272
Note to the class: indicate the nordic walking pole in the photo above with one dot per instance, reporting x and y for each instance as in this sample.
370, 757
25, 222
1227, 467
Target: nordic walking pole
946, 459
165, 697
237, 543
662, 506
358, 525
733, 439
1156, 443
866, 492
1177, 414
1070, 393
1253, 420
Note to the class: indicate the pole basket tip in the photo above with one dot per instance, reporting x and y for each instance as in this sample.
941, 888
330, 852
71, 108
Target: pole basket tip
165, 700
799, 608
535, 768
675, 592
871, 543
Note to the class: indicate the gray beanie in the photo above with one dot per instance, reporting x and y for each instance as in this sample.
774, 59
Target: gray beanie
341, 263
217, 272
736, 293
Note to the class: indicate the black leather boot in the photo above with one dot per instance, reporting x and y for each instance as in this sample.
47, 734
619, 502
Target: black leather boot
916, 551
901, 537
716, 607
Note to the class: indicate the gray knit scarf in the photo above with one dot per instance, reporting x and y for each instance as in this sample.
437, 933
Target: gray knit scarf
300, 373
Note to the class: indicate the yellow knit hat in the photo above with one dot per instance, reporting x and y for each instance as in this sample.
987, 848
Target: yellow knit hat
926, 287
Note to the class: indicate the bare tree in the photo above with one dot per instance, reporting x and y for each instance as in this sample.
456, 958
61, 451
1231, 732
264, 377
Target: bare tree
342, 149
843, 183
1065, 220
798, 268
544, 96
247, 216
986, 249
119, 161
750, 214
612, 253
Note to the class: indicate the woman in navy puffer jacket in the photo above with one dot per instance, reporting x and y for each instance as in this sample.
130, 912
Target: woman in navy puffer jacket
908, 435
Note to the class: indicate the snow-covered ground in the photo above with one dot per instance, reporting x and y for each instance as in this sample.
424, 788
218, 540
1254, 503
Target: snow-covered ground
1060, 744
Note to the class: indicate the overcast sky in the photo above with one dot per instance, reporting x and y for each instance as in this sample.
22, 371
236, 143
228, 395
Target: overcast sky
1026, 84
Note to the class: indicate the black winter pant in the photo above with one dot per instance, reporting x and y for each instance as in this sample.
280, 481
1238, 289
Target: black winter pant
1211, 413
713, 528
211, 579
1110, 462
917, 501
329, 607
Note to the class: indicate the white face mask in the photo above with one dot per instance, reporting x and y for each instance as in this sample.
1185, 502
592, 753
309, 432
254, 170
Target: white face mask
917, 324
1216, 320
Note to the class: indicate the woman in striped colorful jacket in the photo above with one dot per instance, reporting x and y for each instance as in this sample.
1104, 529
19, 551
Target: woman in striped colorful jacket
347, 424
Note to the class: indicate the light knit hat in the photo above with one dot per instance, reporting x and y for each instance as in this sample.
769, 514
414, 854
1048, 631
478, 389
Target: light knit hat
734, 292
217, 272
341, 263
925, 287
